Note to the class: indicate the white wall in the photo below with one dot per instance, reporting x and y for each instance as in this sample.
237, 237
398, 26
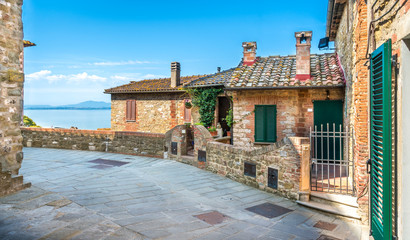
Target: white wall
404, 141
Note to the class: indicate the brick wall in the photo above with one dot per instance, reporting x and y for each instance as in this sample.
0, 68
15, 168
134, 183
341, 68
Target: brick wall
135, 143
11, 85
351, 43
155, 113
293, 117
285, 155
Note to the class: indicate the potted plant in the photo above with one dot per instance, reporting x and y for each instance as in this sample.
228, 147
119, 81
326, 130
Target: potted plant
212, 131
188, 105
229, 120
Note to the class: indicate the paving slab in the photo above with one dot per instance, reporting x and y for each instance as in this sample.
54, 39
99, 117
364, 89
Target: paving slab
147, 198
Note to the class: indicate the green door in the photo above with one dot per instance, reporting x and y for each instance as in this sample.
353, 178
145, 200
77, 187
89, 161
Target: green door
380, 142
324, 113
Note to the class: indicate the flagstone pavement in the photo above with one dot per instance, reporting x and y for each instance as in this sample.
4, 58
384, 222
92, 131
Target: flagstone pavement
147, 198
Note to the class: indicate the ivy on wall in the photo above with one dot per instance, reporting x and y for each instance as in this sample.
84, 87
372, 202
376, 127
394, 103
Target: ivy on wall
205, 100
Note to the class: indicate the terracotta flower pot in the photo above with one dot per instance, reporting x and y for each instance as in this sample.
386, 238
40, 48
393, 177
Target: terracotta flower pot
214, 133
228, 133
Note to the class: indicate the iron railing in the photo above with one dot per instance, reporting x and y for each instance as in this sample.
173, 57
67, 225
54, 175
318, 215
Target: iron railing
332, 169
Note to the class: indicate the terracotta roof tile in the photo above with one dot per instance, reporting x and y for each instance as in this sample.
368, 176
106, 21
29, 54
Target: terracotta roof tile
217, 79
280, 71
152, 85
28, 43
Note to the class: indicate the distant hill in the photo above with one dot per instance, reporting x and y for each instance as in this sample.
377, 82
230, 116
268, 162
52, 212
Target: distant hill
88, 105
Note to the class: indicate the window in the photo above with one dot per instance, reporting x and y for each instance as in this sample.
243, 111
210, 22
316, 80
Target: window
130, 111
265, 123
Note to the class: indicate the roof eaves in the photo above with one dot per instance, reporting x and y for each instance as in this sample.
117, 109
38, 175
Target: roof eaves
132, 91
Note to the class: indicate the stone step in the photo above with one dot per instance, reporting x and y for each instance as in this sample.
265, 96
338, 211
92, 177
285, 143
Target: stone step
340, 210
334, 199
16, 181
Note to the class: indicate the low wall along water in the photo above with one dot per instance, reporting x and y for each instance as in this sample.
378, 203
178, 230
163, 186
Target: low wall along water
134, 143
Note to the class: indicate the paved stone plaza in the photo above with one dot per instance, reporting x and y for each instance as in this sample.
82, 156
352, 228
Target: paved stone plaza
147, 198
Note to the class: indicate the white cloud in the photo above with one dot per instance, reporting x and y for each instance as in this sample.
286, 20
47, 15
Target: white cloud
122, 63
38, 75
71, 78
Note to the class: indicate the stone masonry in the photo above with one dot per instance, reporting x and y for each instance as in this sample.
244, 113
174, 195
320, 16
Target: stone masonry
351, 44
285, 155
155, 113
134, 143
11, 85
294, 111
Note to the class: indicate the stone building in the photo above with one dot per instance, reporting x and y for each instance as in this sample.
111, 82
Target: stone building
11, 86
277, 96
153, 105
372, 39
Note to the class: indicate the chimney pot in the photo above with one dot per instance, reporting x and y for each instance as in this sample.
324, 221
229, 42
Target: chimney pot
175, 74
303, 44
249, 53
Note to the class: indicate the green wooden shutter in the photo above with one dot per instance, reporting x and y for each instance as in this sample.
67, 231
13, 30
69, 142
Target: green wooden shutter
259, 124
270, 123
380, 142
265, 123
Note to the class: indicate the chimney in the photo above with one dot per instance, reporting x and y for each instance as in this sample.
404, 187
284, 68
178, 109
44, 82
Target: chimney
249, 53
175, 74
303, 43
218, 69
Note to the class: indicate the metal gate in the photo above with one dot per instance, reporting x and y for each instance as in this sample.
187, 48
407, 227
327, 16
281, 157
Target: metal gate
331, 168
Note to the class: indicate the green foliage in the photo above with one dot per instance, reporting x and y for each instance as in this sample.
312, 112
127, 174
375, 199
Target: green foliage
28, 122
229, 117
188, 105
212, 129
205, 100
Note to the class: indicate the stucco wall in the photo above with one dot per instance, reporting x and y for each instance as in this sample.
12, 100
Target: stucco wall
11, 84
155, 113
294, 117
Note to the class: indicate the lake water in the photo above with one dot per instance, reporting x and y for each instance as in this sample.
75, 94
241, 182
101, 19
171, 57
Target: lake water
83, 119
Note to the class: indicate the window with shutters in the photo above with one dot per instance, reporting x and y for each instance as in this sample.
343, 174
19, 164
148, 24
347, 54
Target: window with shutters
130, 111
265, 123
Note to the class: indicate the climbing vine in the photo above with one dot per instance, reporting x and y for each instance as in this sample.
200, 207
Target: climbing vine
205, 100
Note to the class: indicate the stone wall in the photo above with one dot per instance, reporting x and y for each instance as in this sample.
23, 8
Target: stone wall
155, 113
294, 115
135, 143
351, 44
11, 85
285, 155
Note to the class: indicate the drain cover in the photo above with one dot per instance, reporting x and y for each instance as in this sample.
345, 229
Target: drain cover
101, 166
108, 162
326, 237
325, 225
269, 210
212, 218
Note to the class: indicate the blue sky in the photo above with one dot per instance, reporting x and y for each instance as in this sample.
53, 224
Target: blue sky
84, 47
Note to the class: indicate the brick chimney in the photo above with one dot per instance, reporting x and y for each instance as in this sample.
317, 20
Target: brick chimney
175, 74
249, 53
303, 43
